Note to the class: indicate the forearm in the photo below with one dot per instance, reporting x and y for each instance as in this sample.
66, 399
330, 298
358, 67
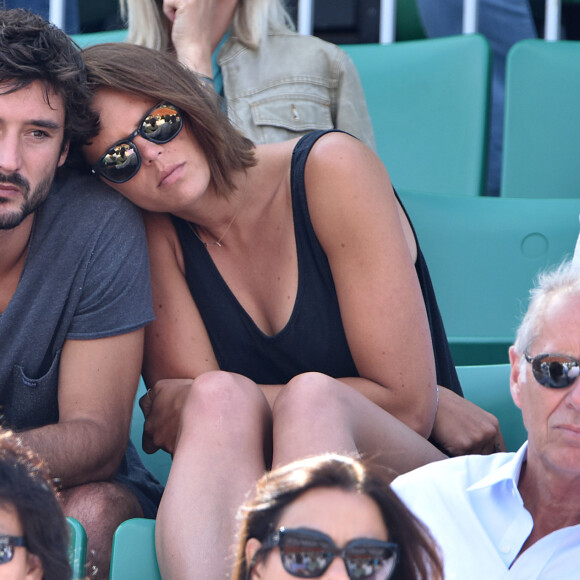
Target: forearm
78, 451
416, 409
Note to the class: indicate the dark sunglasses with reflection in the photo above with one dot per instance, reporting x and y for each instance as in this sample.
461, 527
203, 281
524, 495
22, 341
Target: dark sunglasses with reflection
307, 553
554, 371
122, 161
7, 545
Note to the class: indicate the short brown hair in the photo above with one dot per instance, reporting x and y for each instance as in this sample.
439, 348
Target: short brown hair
148, 73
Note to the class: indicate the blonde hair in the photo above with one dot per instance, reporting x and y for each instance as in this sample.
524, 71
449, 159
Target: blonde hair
253, 19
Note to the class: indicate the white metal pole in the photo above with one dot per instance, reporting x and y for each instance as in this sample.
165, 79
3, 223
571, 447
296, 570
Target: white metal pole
56, 12
552, 22
388, 21
305, 16
470, 16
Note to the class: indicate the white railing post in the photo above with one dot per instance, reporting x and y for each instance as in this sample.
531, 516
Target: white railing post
552, 21
470, 16
56, 13
305, 16
388, 21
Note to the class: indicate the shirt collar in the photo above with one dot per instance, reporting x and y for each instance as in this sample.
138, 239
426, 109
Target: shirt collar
508, 471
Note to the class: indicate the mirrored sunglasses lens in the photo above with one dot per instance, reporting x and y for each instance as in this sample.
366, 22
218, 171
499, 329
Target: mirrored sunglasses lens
305, 557
370, 562
161, 125
120, 163
6, 552
556, 372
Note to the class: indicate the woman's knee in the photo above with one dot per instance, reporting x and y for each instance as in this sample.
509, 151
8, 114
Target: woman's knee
219, 398
307, 395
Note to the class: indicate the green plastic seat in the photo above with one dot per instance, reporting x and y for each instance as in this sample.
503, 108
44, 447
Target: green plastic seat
542, 120
90, 38
77, 549
429, 101
484, 254
158, 463
133, 556
488, 386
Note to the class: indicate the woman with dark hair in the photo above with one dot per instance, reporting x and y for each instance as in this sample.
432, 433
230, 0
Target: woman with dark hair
307, 515
294, 311
33, 528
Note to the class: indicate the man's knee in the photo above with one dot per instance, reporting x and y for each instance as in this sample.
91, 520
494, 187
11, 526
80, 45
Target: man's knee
100, 501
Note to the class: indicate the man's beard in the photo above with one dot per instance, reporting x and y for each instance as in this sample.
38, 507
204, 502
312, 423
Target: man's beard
30, 201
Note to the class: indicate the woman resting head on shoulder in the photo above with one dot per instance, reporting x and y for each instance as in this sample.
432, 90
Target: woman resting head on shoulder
334, 514
33, 528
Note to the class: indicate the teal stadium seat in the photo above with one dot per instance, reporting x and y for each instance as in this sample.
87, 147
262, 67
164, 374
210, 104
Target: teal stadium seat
429, 101
133, 556
90, 38
158, 463
484, 254
542, 120
488, 386
77, 550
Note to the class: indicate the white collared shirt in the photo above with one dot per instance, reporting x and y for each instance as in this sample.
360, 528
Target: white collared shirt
476, 514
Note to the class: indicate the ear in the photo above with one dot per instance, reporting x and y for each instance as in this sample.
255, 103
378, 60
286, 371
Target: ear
63, 154
252, 547
515, 386
34, 570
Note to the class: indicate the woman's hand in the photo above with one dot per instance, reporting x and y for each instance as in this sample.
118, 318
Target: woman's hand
461, 427
192, 32
162, 407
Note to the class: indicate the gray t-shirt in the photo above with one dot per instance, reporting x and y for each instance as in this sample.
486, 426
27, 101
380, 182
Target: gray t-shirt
86, 276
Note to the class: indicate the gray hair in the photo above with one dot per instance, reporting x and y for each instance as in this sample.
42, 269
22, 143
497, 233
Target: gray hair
253, 19
562, 280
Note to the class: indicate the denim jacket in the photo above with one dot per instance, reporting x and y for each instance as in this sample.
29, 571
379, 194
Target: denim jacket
291, 85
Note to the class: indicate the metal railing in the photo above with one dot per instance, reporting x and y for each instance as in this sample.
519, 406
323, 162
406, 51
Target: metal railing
388, 18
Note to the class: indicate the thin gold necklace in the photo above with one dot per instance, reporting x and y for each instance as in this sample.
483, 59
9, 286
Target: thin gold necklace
193, 227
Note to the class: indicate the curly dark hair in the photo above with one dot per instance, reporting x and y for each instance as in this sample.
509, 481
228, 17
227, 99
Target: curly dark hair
32, 49
25, 485
418, 553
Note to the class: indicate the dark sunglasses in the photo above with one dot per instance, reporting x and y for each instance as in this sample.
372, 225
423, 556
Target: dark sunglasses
122, 161
7, 545
308, 553
555, 371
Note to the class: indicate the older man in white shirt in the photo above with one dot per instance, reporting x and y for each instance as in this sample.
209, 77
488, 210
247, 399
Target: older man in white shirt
517, 515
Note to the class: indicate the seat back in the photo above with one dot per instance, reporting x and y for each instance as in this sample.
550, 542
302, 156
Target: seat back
428, 101
90, 38
542, 123
77, 549
488, 386
158, 463
133, 556
484, 254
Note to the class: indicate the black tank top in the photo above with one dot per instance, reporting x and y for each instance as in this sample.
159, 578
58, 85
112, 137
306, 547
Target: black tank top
314, 338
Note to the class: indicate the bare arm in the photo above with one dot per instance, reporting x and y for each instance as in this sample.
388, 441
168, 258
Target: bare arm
97, 384
371, 251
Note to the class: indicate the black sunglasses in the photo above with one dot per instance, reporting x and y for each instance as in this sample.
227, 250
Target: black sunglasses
555, 371
122, 161
7, 545
308, 553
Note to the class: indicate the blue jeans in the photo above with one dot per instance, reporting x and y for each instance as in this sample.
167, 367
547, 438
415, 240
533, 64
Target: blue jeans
503, 23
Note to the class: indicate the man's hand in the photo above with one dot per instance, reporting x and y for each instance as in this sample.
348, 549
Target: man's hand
162, 406
463, 428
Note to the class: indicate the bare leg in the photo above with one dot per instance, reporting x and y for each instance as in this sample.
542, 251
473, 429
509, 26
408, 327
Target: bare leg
218, 458
100, 507
318, 414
